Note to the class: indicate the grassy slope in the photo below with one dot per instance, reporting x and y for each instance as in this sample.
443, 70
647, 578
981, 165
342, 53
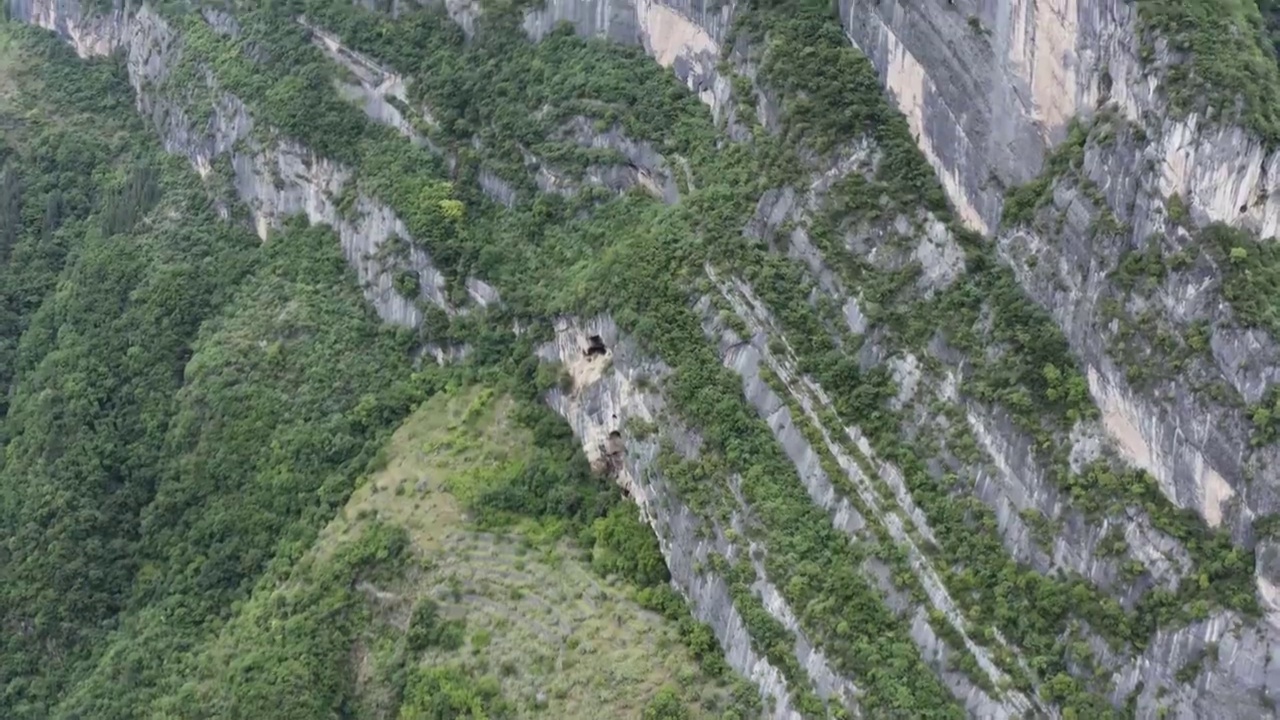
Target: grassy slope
537, 618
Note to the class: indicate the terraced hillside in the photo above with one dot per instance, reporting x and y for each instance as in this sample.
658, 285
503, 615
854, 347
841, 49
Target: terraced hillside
928, 409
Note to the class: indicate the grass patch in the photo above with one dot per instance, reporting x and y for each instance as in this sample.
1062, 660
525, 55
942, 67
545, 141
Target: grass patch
548, 630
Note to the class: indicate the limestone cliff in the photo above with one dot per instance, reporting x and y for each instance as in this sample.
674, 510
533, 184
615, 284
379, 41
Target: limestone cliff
276, 178
988, 91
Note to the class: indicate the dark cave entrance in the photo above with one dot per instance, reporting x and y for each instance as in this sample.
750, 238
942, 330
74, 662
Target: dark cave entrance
595, 347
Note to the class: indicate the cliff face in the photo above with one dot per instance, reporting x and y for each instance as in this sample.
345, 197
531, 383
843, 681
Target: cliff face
989, 87
684, 36
278, 178
607, 394
1015, 486
275, 178
988, 90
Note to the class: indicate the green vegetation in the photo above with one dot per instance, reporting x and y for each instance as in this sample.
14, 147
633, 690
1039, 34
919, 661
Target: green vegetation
649, 245
1249, 282
428, 630
199, 446
1032, 376
768, 635
1022, 201
1250, 275
1032, 610
1249, 272
832, 96
509, 609
223, 464
188, 408
1266, 418
1224, 62
98, 328
299, 635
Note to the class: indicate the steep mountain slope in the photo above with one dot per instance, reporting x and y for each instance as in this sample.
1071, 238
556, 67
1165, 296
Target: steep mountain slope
190, 407
1011, 459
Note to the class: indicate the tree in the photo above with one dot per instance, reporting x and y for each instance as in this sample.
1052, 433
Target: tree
665, 705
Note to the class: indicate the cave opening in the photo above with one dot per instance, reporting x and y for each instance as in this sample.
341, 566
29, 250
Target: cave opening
595, 347
614, 445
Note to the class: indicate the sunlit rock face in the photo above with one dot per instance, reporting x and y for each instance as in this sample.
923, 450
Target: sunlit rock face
608, 385
988, 89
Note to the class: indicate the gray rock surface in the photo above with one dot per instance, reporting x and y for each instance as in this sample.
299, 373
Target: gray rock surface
988, 88
989, 105
275, 178
605, 392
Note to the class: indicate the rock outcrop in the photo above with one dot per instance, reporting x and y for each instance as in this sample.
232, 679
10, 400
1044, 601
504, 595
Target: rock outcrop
275, 178
609, 386
988, 90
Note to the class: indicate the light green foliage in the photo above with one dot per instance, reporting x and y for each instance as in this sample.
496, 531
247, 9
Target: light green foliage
665, 706
407, 284
1267, 526
625, 546
1030, 609
1143, 268
636, 248
1021, 202
285, 653
772, 639
448, 692
1223, 60
1035, 378
1044, 375
832, 96
1250, 275
1266, 418
1177, 209
428, 630
512, 605
1226, 571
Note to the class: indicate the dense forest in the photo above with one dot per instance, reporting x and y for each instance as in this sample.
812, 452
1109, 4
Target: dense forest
226, 483
186, 408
